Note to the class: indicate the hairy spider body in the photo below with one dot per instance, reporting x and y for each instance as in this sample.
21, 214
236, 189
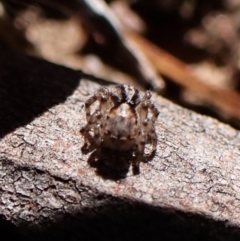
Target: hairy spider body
122, 122
120, 128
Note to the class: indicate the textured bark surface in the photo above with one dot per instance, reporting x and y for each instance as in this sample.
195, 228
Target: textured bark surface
47, 184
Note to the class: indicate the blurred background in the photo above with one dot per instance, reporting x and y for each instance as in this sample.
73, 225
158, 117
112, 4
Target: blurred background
186, 50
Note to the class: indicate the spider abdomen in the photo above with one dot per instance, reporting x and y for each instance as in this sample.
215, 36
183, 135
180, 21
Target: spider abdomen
121, 122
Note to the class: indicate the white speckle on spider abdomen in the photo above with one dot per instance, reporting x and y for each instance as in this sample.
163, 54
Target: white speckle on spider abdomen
121, 122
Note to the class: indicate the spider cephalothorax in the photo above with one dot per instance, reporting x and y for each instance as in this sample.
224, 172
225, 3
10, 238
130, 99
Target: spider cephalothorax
121, 121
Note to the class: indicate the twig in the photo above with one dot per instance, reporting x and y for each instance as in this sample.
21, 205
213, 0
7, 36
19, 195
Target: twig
226, 100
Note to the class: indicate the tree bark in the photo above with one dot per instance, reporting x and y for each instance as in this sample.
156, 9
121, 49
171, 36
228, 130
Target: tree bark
47, 183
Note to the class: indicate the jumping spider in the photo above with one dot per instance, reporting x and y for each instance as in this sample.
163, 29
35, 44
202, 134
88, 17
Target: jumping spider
121, 122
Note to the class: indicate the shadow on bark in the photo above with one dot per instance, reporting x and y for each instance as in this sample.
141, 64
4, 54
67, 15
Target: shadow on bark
29, 87
127, 220
113, 164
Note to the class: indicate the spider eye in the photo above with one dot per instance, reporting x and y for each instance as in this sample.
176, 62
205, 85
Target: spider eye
148, 94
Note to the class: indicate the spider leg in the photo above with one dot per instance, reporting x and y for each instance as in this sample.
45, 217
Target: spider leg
122, 91
154, 111
97, 129
88, 103
135, 100
88, 137
119, 95
91, 132
139, 152
94, 157
152, 138
115, 99
145, 106
147, 124
88, 145
102, 96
